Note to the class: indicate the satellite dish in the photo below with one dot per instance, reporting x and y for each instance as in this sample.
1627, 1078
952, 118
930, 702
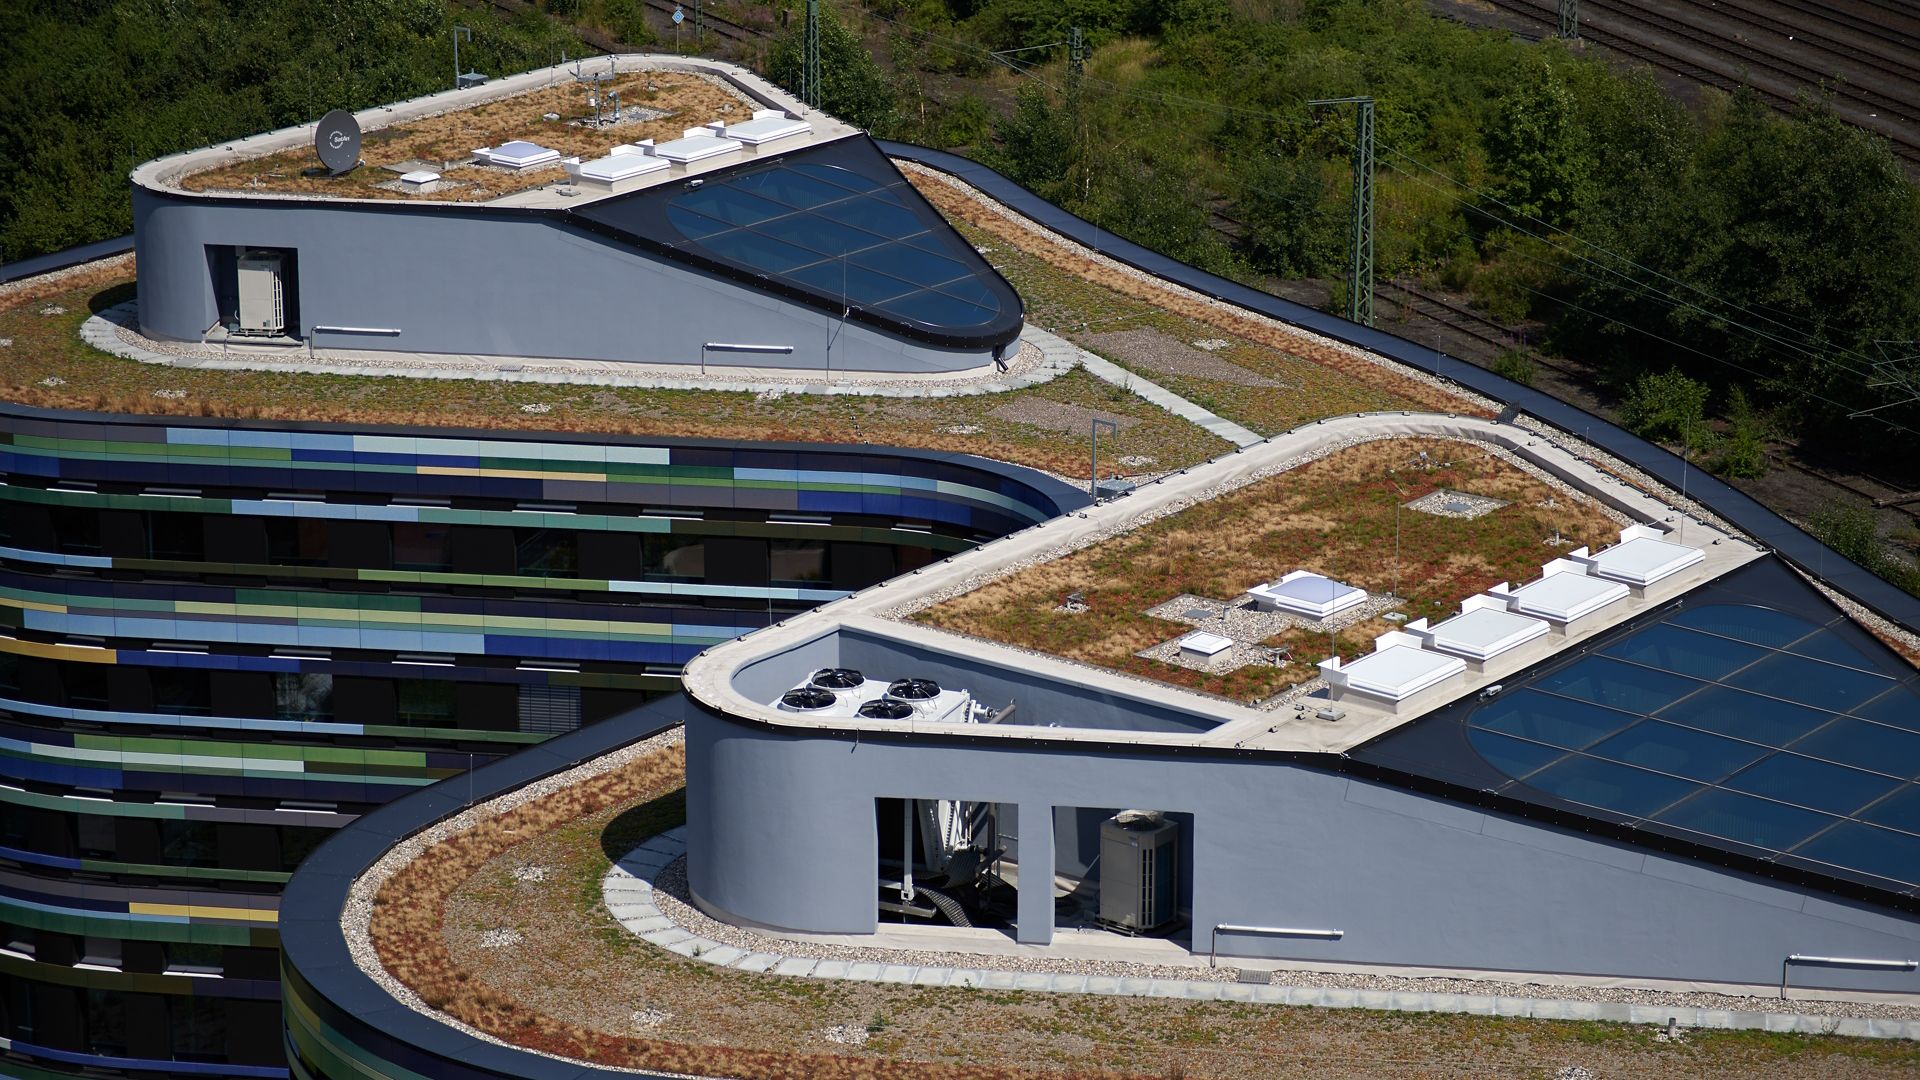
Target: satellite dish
337, 141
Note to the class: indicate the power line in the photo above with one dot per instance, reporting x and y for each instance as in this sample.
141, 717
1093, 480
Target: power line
1640, 288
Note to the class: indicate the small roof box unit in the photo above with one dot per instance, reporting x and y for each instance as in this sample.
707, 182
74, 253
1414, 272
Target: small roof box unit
698, 144
1564, 593
1641, 558
1204, 645
1304, 592
420, 182
518, 154
767, 125
1397, 669
1483, 630
622, 165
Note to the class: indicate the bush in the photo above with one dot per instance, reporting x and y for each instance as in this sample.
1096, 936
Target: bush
1743, 453
1516, 365
1851, 529
1668, 407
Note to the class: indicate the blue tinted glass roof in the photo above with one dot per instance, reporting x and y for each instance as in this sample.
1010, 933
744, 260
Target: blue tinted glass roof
1778, 731
835, 224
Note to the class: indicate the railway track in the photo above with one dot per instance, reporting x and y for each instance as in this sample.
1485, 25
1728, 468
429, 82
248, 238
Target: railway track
1906, 144
1786, 67
724, 27
1863, 54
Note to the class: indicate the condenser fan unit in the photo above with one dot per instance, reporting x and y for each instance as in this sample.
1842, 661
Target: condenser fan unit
913, 689
808, 699
837, 678
886, 709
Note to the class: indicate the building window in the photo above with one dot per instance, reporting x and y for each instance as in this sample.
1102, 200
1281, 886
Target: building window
192, 958
421, 547
547, 552
302, 695
798, 562
296, 541
423, 702
673, 558
549, 710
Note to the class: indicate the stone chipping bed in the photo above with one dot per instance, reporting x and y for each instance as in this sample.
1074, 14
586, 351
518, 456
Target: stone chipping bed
1160, 352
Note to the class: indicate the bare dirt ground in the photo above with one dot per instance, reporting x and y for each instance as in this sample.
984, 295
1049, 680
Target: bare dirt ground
451, 137
575, 983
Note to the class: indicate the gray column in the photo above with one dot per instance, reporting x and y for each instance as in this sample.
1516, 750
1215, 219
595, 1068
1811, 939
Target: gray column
1034, 924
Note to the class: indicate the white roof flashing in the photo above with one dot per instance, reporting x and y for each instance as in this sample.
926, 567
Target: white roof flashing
767, 125
1483, 632
1565, 596
1398, 672
1643, 560
698, 144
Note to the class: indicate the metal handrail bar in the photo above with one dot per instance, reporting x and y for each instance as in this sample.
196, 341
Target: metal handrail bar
315, 331
1841, 961
1213, 947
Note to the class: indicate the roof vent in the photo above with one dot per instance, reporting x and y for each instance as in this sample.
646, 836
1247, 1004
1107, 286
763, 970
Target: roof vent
807, 699
837, 678
913, 689
885, 709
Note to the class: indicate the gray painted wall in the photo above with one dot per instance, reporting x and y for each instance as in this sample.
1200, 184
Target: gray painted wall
483, 283
782, 834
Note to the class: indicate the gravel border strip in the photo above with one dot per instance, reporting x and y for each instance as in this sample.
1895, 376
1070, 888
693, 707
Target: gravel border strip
646, 892
356, 916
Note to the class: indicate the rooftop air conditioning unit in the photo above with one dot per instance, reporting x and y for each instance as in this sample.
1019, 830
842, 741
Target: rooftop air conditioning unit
1139, 871
262, 299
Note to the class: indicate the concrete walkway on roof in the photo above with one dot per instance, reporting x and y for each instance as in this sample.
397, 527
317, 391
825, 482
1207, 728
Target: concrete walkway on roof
627, 890
1108, 371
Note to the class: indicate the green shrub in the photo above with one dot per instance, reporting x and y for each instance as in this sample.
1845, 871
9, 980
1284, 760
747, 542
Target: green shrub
1669, 407
1516, 365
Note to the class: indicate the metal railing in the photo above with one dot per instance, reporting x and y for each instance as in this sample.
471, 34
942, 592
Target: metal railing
1841, 961
1213, 945
316, 331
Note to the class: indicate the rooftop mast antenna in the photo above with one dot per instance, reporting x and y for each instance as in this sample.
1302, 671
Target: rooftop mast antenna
810, 57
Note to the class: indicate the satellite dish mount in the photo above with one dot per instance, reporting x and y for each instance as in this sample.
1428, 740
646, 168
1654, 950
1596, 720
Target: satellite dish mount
337, 141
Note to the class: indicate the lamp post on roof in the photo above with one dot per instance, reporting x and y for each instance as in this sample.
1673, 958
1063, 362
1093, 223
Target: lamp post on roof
1093, 487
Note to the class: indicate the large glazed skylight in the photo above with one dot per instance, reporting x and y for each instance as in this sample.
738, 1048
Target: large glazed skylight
836, 224
1746, 719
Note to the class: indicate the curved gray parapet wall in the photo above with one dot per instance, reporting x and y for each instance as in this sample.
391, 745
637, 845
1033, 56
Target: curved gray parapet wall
1808, 554
342, 1025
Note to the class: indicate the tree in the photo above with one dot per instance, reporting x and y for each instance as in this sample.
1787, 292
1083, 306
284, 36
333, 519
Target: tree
852, 86
1534, 145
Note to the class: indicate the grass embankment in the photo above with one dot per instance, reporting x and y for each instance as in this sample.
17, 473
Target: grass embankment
575, 982
1283, 377
1336, 515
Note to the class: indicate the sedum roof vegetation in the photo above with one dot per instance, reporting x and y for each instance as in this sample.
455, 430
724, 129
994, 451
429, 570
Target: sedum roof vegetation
1335, 515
